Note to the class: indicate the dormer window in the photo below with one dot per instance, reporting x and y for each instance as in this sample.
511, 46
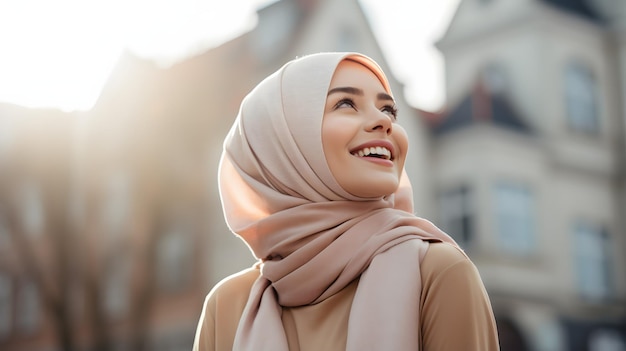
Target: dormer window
276, 23
495, 78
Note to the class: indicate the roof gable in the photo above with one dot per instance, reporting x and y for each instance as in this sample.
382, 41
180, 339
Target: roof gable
577, 7
481, 106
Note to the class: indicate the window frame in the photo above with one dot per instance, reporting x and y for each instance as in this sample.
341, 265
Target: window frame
520, 208
581, 93
592, 261
457, 214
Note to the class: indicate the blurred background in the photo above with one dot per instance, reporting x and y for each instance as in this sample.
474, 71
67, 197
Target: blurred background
111, 230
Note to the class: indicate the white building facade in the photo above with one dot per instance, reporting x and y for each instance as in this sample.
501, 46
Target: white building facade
529, 166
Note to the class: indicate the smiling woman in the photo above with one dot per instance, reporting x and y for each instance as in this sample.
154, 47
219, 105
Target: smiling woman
60, 53
342, 265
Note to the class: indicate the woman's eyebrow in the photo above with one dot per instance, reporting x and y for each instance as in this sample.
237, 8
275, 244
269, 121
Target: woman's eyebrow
349, 90
384, 96
357, 91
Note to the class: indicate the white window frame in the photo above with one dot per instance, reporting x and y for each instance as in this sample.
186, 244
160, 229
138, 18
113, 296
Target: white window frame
592, 261
457, 214
514, 214
581, 98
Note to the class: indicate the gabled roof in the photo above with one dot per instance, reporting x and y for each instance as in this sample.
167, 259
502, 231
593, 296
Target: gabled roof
481, 106
577, 7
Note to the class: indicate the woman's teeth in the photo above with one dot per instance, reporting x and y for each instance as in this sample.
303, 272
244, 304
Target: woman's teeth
375, 151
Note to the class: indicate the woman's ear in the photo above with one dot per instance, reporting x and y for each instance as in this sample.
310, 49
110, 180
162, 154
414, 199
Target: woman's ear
403, 197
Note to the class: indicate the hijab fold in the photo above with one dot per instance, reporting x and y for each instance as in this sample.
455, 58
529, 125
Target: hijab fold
312, 237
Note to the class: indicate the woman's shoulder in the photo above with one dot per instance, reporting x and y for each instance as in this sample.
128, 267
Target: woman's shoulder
234, 289
441, 258
444, 253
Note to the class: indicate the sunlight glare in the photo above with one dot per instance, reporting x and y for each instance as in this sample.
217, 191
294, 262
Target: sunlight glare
60, 53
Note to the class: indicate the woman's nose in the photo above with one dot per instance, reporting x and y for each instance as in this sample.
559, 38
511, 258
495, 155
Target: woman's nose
379, 121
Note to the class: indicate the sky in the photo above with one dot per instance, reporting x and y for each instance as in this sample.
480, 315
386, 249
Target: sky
59, 53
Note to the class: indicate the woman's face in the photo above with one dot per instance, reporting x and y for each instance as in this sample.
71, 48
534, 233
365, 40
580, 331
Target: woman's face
364, 146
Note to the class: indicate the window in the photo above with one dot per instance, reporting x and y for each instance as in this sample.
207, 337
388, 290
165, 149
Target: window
118, 202
273, 29
515, 222
495, 78
457, 217
28, 307
5, 306
116, 286
174, 259
32, 208
5, 238
606, 340
581, 98
592, 261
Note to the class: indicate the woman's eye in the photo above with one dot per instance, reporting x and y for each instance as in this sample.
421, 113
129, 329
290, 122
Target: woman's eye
345, 103
390, 110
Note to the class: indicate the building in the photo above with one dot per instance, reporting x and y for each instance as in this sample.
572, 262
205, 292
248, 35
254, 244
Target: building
529, 165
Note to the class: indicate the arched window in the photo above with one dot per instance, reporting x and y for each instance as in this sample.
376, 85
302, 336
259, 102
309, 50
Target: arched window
581, 98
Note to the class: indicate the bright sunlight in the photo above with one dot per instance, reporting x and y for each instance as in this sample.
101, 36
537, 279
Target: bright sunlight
59, 53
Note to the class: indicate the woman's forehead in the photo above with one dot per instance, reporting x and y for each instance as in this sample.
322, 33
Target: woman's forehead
351, 73
373, 67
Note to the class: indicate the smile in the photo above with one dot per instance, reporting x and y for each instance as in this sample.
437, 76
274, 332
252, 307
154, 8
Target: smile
374, 151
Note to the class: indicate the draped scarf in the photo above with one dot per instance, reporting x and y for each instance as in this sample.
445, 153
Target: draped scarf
312, 238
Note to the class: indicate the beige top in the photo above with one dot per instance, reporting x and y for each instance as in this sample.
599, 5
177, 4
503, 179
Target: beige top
455, 310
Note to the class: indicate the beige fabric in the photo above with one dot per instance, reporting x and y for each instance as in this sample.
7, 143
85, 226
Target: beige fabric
312, 236
455, 311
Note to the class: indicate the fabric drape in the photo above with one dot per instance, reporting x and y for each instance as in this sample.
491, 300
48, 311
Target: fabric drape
312, 237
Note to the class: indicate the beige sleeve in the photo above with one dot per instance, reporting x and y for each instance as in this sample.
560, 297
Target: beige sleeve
205, 332
456, 312
222, 310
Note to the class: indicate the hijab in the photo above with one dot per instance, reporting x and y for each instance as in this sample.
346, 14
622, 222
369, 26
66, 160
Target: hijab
312, 238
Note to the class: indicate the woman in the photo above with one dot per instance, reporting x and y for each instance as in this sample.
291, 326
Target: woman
311, 178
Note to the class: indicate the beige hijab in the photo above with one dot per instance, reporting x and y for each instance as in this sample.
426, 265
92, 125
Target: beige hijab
311, 236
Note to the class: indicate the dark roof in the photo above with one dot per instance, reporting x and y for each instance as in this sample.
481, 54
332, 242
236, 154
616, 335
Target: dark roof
481, 106
578, 7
